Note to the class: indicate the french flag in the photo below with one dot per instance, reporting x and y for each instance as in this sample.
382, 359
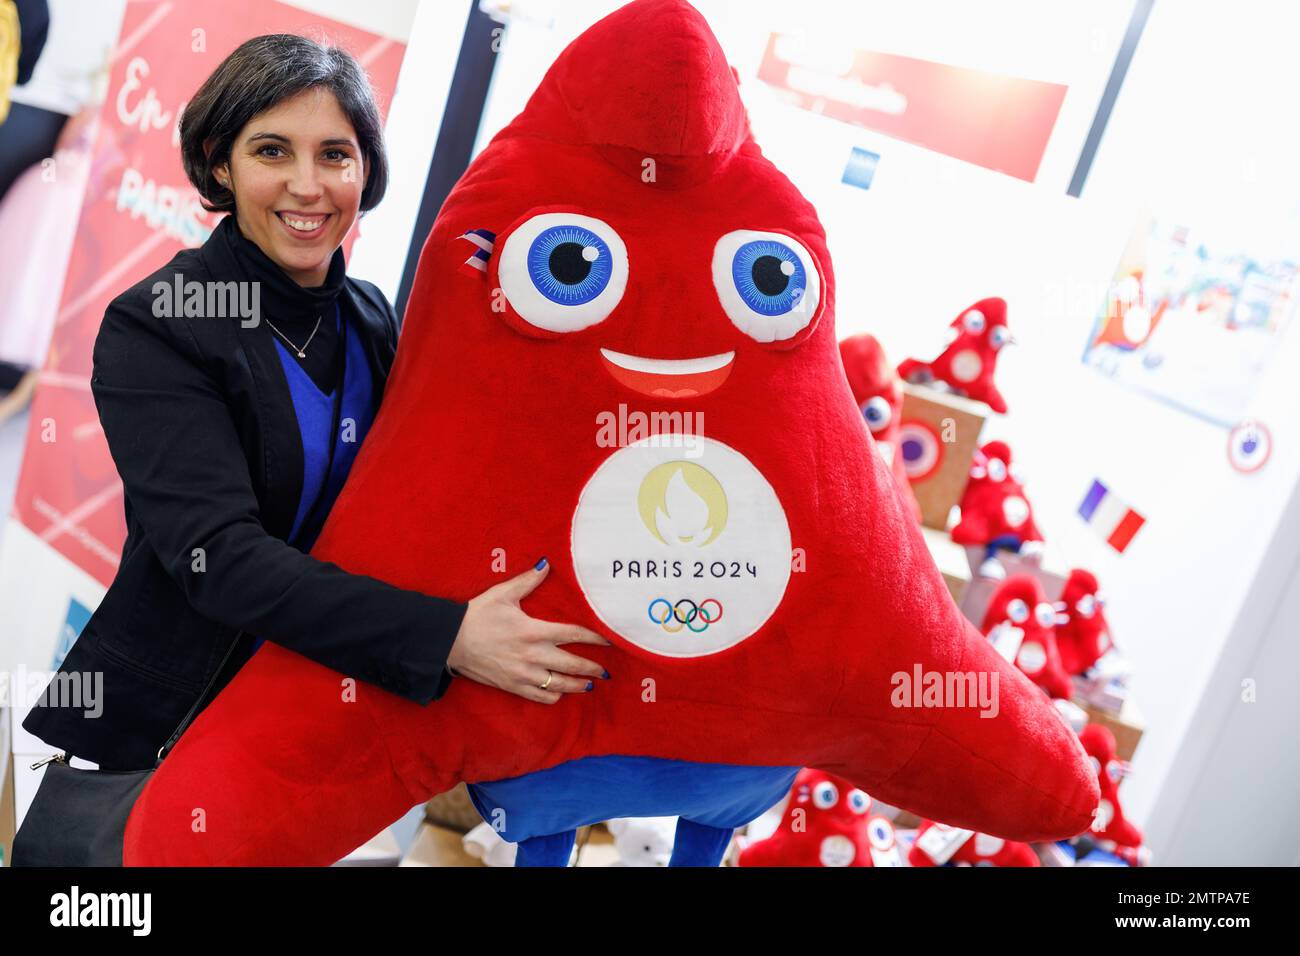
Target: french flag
1111, 518
483, 241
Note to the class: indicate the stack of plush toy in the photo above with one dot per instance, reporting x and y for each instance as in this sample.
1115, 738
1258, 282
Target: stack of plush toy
1064, 645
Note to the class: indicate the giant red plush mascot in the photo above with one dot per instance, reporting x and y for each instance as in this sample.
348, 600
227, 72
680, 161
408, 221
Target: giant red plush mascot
641, 256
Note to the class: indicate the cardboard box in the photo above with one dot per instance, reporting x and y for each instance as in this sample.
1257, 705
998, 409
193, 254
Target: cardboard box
453, 810
596, 847
937, 439
1050, 569
1127, 726
438, 846
951, 560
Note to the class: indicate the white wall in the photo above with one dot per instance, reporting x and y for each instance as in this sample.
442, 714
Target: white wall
1201, 128
410, 132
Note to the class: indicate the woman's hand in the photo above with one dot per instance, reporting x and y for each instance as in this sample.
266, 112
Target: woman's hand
501, 646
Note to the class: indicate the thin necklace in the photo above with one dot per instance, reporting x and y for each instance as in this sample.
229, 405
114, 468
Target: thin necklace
302, 352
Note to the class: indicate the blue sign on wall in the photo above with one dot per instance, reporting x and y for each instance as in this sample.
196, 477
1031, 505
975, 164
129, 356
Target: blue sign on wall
77, 616
861, 168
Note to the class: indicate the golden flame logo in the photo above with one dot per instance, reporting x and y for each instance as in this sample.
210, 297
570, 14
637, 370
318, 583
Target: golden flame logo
682, 503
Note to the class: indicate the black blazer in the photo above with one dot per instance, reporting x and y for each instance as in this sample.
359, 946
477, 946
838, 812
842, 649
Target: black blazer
201, 425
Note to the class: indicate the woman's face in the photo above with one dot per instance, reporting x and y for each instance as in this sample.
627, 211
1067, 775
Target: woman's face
296, 173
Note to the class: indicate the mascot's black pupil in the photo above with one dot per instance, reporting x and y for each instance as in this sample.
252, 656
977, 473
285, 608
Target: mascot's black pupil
767, 275
567, 265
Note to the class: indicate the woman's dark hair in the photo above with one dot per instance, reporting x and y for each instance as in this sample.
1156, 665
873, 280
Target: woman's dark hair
260, 73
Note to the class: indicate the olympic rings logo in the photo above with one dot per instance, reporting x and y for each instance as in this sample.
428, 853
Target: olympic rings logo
685, 619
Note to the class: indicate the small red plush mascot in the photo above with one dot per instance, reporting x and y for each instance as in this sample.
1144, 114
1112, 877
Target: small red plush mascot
1084, 636
966, 366
1110, 827
879, 393
1020, 616
826, 823
978, 849
994, 510
760, 580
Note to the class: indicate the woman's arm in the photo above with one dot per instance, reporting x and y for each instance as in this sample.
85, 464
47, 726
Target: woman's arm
185, 476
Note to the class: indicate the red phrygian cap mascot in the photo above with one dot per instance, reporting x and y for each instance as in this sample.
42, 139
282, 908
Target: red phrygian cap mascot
995, 512
1020, 614
1084, 636
1110, 826
827, 822
879, 393
967, 365
643, 253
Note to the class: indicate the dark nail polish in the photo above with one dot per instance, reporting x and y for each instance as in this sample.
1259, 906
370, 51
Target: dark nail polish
539, 565
590, 685
604, 675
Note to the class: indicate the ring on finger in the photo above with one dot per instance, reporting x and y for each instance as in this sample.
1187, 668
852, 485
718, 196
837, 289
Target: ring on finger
550, 676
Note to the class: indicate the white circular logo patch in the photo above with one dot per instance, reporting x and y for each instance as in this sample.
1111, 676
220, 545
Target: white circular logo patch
966, 366
681, 547
1016, 510
837, 851
1033, 657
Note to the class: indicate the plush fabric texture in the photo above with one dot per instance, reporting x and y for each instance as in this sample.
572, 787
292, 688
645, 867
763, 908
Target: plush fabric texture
878, 391
488, 445
826, 823
1019, 603
1084, 635
993, 504
967, 365
979, 850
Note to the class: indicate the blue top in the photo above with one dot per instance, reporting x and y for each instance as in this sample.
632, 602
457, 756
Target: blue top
314, 410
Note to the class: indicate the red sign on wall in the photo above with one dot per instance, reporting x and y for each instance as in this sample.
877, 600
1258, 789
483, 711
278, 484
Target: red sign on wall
139, 211
1002, 123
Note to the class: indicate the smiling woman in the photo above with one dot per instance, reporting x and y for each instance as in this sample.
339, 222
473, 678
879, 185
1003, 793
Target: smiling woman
235, 429
303, 150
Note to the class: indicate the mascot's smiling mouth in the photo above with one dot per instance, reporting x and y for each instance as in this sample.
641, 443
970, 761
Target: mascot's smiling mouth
669, 378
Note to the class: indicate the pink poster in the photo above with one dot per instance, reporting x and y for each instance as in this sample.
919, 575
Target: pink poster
1002, 123
139, 210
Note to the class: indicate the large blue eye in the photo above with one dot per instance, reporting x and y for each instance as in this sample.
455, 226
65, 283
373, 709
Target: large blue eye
877, 413
769, 276
767, 283
569, 264
562, 271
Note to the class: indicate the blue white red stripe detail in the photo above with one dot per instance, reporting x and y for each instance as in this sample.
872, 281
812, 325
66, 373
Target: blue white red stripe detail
1113, 520
485, 242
